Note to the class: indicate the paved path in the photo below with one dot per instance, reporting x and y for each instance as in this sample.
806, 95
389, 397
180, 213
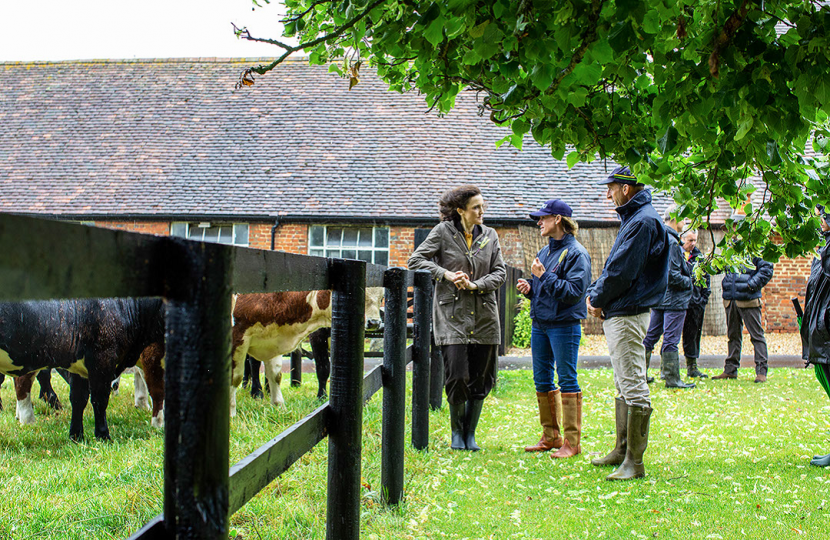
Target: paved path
705, 361
595, 362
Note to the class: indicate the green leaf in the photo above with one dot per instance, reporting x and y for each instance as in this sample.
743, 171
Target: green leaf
622, 36
435, 31
573, 159
478, 31
668, 141
542, 76
520, 127
744, 127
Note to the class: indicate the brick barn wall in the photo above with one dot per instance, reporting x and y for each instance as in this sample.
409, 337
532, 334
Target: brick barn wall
161, 228
401, 245
788, 281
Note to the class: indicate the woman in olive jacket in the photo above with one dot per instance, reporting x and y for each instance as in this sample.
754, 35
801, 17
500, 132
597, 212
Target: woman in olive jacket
815, 330
464, 257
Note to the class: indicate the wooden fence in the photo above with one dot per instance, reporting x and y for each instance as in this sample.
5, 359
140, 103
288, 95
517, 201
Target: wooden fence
47, 259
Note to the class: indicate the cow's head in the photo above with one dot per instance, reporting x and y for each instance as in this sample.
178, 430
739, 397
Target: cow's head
374, 297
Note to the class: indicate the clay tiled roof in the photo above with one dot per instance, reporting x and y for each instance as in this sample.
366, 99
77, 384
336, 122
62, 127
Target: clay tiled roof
173, 139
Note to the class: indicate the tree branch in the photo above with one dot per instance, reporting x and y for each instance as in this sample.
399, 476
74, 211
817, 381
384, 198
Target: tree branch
263, 69
589, 36
722, 40
304, 13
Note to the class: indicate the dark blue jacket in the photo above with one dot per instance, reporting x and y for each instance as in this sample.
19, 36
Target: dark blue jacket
700, 293
558, 297
636, 271
747, 284
679, 289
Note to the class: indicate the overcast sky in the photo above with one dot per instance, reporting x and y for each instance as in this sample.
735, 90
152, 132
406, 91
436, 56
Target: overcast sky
87, 29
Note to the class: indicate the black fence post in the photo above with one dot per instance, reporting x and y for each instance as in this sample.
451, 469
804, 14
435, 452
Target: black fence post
345, 423
197, 413
421, 339
436, 376
394, 386
297, 367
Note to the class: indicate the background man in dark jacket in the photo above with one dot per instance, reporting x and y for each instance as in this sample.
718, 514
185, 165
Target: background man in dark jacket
742, 301
815, 334
632, 282
667, 318
693, 325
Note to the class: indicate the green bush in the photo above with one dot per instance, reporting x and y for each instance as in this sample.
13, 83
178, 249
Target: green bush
521, 326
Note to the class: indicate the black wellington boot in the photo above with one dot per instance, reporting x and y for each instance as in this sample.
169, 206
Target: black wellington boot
671, 365
649, 380
692, 371
471, 416
457, 426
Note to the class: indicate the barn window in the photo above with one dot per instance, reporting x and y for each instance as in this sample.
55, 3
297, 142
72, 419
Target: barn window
370, 244
232, 234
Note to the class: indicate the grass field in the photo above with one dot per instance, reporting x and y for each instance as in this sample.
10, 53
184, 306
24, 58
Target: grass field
725, 460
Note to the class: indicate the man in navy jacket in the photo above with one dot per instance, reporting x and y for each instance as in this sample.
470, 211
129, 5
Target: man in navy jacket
742, 301
633, 281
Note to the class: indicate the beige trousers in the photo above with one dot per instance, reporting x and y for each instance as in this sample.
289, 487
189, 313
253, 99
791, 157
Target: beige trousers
628, 357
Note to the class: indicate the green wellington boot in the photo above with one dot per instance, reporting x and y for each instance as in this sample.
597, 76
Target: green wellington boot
632, 466
671, 364
820, 461
649, 380
617, 455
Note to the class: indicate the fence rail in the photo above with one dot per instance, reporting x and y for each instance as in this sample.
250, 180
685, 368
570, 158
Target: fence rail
48, 259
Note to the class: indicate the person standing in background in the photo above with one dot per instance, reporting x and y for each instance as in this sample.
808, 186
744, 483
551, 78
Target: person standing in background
464, 257
667, 318
742, 301
693, 325
561, 274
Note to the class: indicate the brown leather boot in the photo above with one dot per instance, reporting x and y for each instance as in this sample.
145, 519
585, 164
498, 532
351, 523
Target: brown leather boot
759, 378
724, 375
572, 425
617, 455
550, 412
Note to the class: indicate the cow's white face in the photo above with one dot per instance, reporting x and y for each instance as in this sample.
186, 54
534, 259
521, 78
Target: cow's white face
374, 298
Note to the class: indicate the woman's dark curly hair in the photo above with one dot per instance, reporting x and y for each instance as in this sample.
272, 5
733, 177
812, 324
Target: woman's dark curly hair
454, 199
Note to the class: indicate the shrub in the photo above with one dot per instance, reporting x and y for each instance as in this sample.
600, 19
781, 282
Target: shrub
521, 326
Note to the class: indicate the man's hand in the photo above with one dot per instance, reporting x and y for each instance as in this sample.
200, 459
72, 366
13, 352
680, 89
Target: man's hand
523, 286
594, 311
537, 268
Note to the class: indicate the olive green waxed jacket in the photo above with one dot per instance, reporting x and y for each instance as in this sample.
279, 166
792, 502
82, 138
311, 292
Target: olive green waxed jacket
462, 317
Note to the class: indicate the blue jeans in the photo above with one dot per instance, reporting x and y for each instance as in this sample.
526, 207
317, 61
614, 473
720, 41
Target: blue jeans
555, 349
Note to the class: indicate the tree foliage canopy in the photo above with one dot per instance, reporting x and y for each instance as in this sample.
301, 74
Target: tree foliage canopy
697, 96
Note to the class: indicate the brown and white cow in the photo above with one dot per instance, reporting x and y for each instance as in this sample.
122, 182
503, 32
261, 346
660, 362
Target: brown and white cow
270, 325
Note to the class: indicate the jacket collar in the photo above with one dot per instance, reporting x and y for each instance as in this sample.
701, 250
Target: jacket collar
674, 233
635, 203
557, 244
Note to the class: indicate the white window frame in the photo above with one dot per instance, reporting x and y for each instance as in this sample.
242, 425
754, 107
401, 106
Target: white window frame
239, 232
334, 247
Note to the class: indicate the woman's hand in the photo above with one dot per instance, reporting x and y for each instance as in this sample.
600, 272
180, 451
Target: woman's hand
523, 286
458, 279
537, 268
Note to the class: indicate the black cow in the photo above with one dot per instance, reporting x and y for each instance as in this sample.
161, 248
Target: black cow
95, 340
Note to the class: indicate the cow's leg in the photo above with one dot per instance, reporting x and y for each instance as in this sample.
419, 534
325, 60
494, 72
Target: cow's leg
23, 388
47, 393
319, 341
273, 373
99, 395
140, 390
246, 379
78, 398
256, 384
153, 368
238, 355
116, 385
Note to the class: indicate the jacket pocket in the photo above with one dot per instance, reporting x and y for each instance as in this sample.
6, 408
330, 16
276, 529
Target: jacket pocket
446, 299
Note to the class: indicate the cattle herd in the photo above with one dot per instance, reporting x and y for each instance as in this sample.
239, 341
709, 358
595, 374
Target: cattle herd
91, 342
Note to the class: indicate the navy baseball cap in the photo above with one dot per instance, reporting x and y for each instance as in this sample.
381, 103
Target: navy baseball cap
621, 175
554, 207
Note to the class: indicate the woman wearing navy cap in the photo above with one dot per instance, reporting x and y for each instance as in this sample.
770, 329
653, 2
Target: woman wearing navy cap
561, 275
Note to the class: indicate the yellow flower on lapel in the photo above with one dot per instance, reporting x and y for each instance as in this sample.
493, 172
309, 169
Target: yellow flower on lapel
562, 257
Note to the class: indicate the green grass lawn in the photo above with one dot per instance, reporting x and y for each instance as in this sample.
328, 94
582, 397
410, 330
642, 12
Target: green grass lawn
726, 460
